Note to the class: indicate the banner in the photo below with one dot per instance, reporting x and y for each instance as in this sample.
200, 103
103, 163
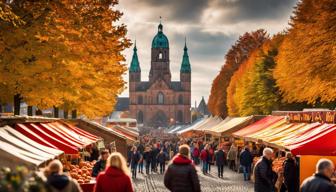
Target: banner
312, 116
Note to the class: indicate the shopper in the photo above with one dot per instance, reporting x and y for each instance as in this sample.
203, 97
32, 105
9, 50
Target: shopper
57, 181
204, 158
135, 158
116, 176
161, 159
232, 155
220, 161
246, 160
148, 159
210, 157
181, 174
100, 164
196, 154
141, 163
321, 180
264, 176
290, 173
155, 151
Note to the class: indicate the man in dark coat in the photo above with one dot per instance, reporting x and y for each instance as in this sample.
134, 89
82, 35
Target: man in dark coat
148, 159
220, 161
161, 159
246, 160
290, 173
155, 152
135, 158
320, 181
181, 175
100, 164
264, 176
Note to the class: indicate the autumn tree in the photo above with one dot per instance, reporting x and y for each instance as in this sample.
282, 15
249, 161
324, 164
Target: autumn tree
306, 64
238, 53
67, 55
252, 89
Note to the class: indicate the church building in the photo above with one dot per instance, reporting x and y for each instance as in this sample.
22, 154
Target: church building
160, 102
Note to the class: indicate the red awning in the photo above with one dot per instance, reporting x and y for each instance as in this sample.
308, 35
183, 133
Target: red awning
55, 134
322, 143
63, 133
52, 139
78, 130
259, 125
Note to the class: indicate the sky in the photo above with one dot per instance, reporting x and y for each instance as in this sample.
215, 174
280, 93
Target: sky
211, 27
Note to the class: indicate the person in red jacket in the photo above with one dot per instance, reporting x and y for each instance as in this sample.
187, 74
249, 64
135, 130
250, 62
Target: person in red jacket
204, 158
116, 177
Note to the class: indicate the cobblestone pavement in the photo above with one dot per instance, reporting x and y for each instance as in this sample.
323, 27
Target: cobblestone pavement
232, 182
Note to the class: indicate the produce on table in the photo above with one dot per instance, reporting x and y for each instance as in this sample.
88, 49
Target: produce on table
81, 172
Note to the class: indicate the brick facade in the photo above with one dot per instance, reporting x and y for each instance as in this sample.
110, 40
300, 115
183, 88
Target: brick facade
159, 102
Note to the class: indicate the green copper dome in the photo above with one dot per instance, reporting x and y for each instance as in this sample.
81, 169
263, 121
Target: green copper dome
185, 66
160, 40
135, 66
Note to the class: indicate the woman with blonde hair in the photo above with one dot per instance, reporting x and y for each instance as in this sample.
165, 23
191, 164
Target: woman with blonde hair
57, 181
116, 177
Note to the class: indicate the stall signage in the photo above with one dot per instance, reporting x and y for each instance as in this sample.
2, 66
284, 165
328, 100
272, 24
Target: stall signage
313, 116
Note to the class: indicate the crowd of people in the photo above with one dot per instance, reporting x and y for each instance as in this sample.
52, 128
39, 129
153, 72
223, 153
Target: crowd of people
113, 172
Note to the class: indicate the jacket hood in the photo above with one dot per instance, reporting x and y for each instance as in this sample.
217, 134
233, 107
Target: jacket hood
58, 181
115, 172
181, 160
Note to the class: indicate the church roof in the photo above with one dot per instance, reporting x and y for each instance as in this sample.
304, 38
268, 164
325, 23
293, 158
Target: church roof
143, 86
185, 66
122, 104
174, 85
135, 66
202, 107
160, 40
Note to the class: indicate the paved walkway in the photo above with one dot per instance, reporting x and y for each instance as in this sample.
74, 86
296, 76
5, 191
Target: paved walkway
232, 182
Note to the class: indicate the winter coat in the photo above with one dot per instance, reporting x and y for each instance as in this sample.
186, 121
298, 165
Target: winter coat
135, 158
290, 172
98, 167
204, 155
62, 183
246, 158
155, 152
113, 180
220, 157
148, 156
196, 152
318, 182
181, 176
161, 158
232, 154
264, 176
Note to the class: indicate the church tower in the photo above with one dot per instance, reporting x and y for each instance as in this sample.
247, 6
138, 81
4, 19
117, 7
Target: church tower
185, 71
160, 57
134, 70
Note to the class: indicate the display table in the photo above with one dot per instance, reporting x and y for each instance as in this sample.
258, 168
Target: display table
88, 187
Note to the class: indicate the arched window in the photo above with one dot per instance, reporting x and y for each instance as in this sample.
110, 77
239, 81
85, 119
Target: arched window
179, 116
160, 55
180, 99
160, 98
140, 99
140, 117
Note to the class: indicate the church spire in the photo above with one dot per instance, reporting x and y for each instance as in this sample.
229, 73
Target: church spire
135, 66
185, 66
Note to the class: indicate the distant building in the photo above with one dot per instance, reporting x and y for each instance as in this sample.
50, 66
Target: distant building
160, 102
203, 108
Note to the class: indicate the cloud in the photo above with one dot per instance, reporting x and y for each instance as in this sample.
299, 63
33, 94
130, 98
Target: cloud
211, 27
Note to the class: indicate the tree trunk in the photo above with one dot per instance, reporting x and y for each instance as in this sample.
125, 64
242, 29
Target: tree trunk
66, 113
17, 101
38, 112
56, 113
30, 110
74, 114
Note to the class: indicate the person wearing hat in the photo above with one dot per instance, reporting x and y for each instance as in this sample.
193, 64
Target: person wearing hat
181, 174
